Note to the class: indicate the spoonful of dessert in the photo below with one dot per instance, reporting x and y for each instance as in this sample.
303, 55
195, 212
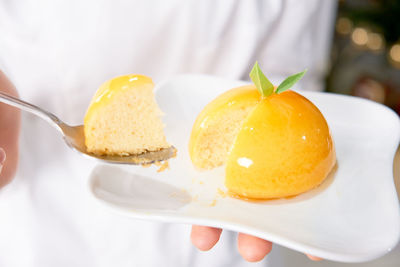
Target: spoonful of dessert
122, 124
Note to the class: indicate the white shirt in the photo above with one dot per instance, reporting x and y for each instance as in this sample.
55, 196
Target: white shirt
57, 53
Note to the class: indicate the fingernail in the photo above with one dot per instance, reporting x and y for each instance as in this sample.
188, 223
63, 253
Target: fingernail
2, 156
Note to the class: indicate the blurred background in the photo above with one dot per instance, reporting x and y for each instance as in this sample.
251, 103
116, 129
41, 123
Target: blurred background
365, 57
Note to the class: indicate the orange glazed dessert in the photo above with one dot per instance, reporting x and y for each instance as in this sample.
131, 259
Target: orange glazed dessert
123, 118
273, 141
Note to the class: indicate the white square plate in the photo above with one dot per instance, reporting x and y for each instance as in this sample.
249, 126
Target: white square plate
352, 217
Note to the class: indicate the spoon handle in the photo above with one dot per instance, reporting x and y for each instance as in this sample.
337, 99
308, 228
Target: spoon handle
18, 103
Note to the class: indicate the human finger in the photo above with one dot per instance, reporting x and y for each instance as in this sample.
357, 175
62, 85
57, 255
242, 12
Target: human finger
313, 258
253, 248
2, 157
204, 237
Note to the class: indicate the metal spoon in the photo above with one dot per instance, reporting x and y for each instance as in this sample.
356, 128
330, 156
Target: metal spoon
75, 139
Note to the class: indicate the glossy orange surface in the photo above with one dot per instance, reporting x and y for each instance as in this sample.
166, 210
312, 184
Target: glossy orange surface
283, 148
113, 87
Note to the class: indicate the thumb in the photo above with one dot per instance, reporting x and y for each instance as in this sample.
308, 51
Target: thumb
2, 157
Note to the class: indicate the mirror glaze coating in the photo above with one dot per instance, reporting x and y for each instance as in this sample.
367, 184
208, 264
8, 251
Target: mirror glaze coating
284, 148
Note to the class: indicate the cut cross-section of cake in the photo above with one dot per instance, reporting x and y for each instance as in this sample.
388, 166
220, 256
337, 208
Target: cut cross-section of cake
124, 119
217, 126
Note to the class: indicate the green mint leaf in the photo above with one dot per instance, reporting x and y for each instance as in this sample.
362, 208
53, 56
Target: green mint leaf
289, 82
263, 85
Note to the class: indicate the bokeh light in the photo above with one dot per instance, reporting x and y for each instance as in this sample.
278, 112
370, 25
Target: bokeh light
375, 41
395, 53
360, 36
344, 26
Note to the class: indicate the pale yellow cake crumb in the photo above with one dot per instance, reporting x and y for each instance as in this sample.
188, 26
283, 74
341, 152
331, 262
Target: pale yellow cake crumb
221, 192
213, 203
124, 119
163, 166
146, 165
